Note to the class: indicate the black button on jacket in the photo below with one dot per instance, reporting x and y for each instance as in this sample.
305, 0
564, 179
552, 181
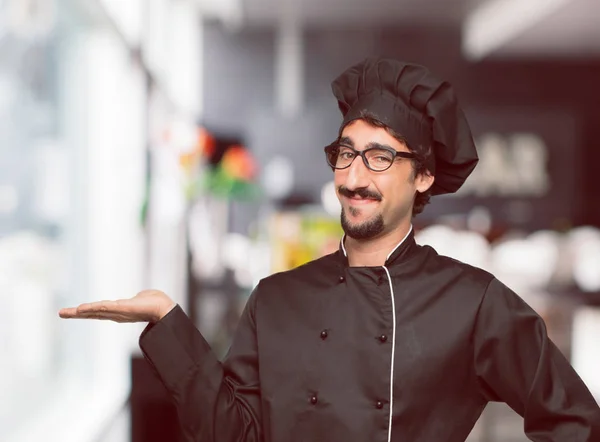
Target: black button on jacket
456, 339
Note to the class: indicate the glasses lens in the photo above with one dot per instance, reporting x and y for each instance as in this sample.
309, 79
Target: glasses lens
345, 156
331, 153
339, 156
379, 159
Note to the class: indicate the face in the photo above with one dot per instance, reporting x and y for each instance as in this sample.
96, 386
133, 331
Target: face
376, 203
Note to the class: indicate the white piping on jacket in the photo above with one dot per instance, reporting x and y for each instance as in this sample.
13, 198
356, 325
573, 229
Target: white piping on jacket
393, 335
393, 352
343, 246
393, 327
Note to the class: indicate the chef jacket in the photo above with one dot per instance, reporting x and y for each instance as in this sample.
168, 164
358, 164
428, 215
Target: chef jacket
411, 351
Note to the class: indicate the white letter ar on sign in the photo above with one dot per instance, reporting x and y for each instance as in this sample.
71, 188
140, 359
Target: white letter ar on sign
531, 155
513, 165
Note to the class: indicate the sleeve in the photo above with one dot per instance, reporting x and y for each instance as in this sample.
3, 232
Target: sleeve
215, 401
517, 363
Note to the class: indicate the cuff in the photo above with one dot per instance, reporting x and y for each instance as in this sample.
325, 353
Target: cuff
173, 346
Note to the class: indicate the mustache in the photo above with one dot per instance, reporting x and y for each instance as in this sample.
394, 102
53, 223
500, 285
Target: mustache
362, 192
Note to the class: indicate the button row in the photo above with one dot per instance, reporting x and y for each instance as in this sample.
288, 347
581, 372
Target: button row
382, 338
314, 400
380, 280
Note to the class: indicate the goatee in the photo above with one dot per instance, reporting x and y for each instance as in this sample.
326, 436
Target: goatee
365, 230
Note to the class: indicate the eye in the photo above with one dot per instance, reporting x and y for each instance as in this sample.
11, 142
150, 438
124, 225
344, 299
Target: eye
382, 159
379, 156
346, 154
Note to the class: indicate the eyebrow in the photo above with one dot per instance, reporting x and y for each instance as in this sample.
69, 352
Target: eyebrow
348, 141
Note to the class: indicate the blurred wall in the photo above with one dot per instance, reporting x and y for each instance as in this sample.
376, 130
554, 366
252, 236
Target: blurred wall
556, 97
238, 76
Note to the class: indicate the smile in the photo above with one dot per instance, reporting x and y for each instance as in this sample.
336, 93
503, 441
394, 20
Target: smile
361, 201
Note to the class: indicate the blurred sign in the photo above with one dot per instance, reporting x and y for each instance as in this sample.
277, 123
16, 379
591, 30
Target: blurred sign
527, 171
510, 165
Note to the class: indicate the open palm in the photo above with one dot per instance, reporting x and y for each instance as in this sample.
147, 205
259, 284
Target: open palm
146, 306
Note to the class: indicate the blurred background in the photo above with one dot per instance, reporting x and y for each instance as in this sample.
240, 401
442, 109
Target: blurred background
177, 144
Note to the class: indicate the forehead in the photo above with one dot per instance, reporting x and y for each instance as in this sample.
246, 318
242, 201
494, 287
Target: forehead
361, 134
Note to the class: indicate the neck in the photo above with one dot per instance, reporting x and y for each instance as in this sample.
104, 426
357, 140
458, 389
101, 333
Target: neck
374, 252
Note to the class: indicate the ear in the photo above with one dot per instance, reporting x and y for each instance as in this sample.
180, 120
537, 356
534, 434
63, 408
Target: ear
424, 181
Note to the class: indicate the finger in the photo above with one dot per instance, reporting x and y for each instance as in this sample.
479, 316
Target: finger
102, 310
102, 317
99, 316
98, 306
84, 310
73, 312
69, 312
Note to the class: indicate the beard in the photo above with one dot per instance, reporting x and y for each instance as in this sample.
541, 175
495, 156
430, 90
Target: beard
366, 230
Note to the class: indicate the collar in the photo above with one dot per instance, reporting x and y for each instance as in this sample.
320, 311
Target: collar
395, 256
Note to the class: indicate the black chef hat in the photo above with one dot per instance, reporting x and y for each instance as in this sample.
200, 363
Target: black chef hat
410, 100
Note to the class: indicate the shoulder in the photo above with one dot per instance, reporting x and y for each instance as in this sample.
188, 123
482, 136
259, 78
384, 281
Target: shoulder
442, 262
319, 273
492, 293
287, 294
456, 270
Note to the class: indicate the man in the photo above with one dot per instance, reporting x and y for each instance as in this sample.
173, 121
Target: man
383, 340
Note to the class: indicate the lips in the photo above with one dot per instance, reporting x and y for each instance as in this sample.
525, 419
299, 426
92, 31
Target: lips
361, 201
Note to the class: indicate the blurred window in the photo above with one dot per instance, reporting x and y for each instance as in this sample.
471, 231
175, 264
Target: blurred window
71, 117
41, 261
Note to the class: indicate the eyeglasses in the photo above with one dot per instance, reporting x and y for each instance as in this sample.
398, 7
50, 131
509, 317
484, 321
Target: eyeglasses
377, 159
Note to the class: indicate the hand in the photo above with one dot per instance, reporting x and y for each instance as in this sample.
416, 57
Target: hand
146, 306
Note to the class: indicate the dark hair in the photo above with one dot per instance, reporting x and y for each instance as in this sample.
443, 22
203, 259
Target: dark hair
419, 166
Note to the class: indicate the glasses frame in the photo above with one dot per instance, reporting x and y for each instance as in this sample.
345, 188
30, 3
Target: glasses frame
363, 155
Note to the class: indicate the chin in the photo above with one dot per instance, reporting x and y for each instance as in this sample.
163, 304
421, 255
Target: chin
368, 228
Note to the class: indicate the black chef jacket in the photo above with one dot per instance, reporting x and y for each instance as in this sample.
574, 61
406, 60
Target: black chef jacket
409, 352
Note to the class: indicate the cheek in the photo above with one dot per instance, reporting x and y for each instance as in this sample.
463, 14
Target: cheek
390, 185
397, 187
338, 178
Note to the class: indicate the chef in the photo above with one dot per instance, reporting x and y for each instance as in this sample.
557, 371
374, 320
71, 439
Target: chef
383, 340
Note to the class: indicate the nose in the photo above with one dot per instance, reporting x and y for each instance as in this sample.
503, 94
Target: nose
358, 175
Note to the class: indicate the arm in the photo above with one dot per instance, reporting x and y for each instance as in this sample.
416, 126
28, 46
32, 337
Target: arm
215, 401
518, 364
